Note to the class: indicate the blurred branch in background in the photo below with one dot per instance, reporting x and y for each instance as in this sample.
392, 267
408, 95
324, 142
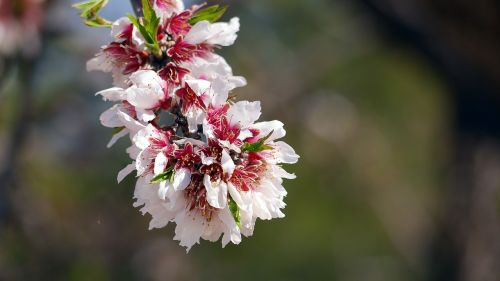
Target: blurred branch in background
21, 60
137, 6
5, 72
461, 40
17, 138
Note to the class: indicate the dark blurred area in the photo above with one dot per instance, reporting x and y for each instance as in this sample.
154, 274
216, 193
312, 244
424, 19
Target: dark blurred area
393, 106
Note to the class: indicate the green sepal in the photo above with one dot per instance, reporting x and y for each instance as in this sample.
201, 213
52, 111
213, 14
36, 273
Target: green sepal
257, 146
167, 175
97, 23
89, 12
235, 211
211, 14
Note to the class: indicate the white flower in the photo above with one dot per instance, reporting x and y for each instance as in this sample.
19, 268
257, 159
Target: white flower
124, 29
231, 125
217, 189
202, 161
146, 94
191, 225
120, 59
219, 33
154, 146
264, 200
244, 113
146, 195
119, 116
195, 98
215, 69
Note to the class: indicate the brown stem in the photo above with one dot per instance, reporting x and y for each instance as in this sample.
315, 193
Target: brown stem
137, 6
182, 123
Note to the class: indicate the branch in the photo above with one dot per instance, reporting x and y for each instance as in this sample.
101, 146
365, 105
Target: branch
17, 138
137, 6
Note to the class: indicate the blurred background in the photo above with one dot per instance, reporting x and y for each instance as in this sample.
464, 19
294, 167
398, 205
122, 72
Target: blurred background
393, 106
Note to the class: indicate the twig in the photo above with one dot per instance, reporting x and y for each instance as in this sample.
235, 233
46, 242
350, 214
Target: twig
137, 6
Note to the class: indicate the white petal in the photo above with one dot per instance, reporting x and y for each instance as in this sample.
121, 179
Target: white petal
143, 161
199, 86
266, 127
148, 79
130, 123
241, 200
138, 39
100, 63
160, 163
227, 163
125, 171
224, 34
113, 94
110, 117
226, 144
244, 134
133, 151
182, 178
163, 189
119, 26
145, 115
214, 67
244, 113
189, 229
142, 98
216, 193
232, 233
207, 160
221, 90
194, 118
199, 33
285, 153
220, 33
116, 137
167, 7
280, 172
142, 138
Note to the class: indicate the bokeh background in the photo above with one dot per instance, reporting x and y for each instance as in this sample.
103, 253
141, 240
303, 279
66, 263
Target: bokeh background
393, 106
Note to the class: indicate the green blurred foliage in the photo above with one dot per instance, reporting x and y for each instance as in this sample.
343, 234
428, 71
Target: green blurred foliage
368, 118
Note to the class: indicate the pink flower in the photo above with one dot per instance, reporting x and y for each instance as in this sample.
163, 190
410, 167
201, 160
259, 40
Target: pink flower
202, 160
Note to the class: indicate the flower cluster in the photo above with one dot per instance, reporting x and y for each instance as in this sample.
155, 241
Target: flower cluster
20, 22
202, 159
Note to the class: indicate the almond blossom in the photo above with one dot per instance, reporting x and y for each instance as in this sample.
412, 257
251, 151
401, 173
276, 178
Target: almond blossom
202, 160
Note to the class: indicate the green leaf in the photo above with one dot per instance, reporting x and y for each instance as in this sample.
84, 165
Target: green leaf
133, 19
167, 175
140, 27
257, 146
84, 5
235, 211
89, 12
147, 10
148, 27
211, 14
